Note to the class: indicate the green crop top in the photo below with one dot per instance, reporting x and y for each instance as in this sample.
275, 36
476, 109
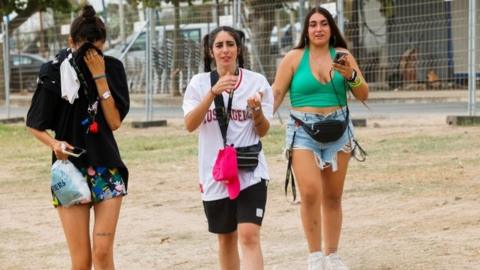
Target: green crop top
307, 91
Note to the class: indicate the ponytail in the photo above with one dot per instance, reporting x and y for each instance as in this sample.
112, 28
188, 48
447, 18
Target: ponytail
241, 48
207, 61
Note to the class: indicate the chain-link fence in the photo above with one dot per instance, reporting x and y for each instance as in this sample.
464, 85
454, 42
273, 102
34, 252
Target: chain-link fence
402, 44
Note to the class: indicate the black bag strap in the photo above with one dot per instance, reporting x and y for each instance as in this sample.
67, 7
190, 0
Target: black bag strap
223, 117
289, 174
363, 153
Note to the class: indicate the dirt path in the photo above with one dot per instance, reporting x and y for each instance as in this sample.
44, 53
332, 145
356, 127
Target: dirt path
413, 205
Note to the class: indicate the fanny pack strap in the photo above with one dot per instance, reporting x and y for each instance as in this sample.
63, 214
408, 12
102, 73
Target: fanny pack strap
223, 117
300, 122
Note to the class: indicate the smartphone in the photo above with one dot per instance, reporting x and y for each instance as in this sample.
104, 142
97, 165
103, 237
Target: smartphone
75, 152
338, 58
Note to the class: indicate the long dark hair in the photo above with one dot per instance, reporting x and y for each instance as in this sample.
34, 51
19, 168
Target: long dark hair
88, 27
336, 38
208, 40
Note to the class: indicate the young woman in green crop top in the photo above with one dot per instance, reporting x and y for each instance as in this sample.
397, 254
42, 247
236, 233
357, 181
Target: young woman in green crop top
318, 92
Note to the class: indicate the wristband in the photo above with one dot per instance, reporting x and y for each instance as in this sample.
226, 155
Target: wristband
356, 83
99, 76
256, 109
105, 95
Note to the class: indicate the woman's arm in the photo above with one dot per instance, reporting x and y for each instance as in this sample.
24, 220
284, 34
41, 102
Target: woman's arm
360, 91
195, 117
96, 65
284, 76
260, 123
51, 142
109, 108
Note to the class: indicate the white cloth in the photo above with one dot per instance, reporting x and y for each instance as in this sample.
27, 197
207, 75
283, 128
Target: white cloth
240, 132
69, 80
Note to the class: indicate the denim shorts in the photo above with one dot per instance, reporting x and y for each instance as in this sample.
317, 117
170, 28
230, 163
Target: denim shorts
325, 153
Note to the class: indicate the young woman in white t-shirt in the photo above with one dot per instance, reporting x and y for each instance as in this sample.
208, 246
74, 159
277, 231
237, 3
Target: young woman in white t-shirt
238, 220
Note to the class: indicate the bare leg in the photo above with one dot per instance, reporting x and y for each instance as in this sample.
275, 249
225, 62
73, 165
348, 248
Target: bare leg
249, 238
106, 218
75, 221
228, 251
309, 178
332, 202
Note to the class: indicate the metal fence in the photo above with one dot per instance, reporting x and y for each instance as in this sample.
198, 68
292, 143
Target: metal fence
399, 45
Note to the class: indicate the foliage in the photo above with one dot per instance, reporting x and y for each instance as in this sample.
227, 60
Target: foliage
26, 8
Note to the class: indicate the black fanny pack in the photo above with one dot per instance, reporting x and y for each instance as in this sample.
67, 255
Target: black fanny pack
247, 156
324, 131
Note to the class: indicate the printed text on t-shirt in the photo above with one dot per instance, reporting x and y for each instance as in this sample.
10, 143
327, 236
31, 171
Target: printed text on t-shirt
235, 115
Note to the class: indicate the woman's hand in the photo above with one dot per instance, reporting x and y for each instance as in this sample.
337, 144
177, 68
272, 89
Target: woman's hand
95, 62
59, 148
260, 123
255, 102
225, 83
344, 67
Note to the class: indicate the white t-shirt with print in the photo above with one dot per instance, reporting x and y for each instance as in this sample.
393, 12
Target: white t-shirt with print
240, 131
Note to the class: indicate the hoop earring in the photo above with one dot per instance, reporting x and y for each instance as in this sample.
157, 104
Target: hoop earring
306, 41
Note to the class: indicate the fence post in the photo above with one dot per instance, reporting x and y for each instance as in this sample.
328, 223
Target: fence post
121, 13
301, 11
2, 75
236, 13
6, 64
340, 17
148, 65
472, 78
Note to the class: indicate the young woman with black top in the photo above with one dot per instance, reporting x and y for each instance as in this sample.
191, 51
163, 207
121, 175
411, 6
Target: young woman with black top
83, 97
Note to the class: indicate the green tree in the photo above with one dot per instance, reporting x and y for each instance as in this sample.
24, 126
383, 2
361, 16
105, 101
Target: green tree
25, 9
175, 73
261, 23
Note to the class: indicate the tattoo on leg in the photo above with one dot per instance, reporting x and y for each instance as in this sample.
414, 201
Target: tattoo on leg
104, 234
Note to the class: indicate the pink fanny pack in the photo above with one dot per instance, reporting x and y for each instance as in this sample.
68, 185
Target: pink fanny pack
226, 170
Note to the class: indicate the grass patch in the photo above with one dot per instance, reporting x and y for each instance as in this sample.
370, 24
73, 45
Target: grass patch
428, 157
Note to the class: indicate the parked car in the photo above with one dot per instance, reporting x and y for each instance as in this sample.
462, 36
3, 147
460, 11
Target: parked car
24, 70
192, 32
286, 41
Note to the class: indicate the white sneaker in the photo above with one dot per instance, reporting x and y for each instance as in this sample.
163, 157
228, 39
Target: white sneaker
333, 262
316, 261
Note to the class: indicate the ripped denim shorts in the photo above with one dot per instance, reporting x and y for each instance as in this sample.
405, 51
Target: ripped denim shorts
325, 153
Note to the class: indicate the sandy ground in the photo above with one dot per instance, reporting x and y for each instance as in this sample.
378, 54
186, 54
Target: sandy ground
405, 208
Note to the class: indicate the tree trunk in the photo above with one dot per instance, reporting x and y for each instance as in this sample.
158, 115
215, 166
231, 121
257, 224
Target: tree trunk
261, 22
175, 72
355, 30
